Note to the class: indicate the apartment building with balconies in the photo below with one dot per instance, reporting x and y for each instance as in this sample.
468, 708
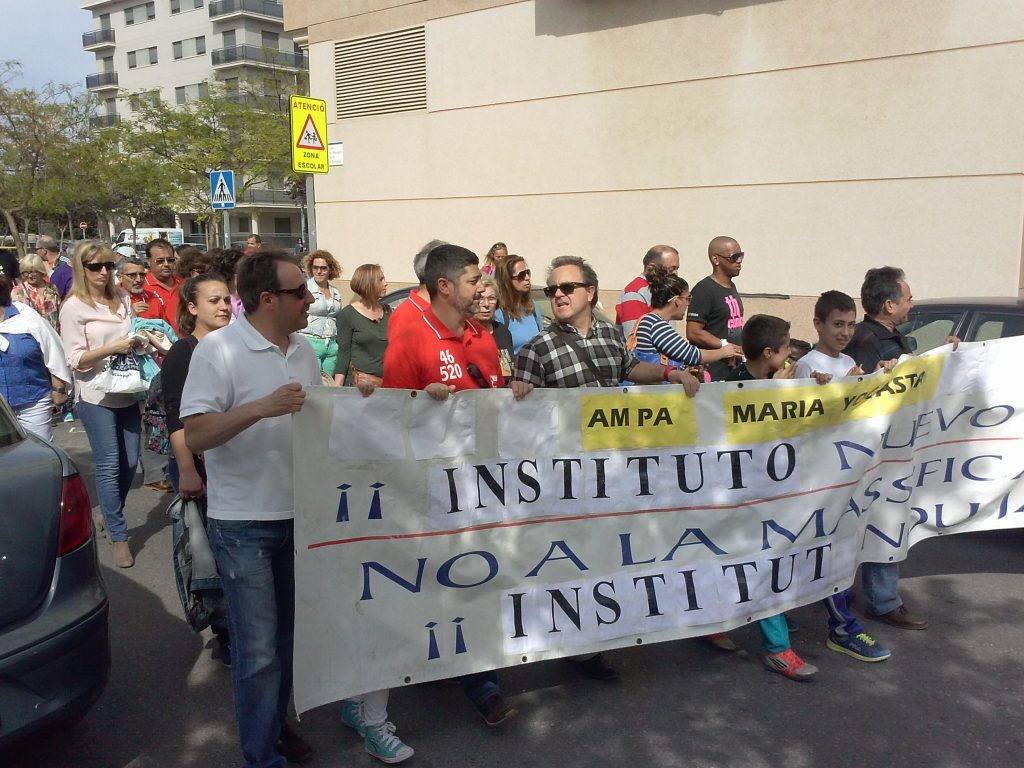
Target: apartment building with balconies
170, 49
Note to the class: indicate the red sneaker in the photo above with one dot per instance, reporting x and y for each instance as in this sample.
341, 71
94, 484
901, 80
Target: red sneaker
789, 664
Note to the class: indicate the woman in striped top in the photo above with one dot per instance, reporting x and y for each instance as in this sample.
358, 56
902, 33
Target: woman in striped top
655, 340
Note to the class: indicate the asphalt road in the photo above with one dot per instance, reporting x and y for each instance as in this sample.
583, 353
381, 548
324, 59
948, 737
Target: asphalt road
949, 696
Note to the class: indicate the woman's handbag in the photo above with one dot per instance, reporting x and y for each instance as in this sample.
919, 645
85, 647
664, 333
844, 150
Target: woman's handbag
121, 375
356, 377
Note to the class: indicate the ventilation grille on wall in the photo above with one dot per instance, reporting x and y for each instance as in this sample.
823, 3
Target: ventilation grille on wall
381, 74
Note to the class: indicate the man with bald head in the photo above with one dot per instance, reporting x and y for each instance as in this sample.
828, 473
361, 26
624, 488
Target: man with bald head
715, 318
635, 300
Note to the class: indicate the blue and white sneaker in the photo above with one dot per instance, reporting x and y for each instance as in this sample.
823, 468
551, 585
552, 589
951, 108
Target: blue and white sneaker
352, 716
382, 743
862, 647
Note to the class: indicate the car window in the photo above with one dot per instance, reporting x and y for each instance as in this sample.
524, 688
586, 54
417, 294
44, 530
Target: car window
930, 329
998, 325
9, 431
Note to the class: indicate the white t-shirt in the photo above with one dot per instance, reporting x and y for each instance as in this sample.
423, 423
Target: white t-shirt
815, 361
249, 476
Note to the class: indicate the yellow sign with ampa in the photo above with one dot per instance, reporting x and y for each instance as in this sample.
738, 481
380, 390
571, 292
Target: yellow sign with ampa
635, 420
309, 135
762, 415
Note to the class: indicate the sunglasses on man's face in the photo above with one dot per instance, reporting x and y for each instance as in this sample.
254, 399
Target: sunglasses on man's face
298, 293
521, 275
565, 288
735, 258
96, 266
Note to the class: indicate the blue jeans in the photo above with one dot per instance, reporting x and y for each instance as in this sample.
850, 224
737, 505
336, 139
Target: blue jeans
881, 586
114, 436
256, 560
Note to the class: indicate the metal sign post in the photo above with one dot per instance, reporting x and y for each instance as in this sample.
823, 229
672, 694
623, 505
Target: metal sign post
222, 198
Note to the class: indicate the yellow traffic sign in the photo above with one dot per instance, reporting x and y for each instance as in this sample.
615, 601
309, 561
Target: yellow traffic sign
309, 135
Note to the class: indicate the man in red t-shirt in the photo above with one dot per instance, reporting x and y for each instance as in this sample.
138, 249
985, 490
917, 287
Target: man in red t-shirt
442, 351
411, 309
162, 282
635, 300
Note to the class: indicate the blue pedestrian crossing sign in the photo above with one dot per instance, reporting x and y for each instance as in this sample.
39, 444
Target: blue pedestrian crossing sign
222, 189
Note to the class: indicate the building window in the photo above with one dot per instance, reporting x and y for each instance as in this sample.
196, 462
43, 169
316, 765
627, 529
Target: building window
229, 38
177, 6
183, 94
193, 46
269, 40
243, 224
104, 21
139, 13
137, 100
142, 57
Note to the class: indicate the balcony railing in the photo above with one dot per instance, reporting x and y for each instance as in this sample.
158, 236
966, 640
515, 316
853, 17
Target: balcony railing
103, 121
258, 7
265, 197
101, 80
275, 103
252, 54
98, 37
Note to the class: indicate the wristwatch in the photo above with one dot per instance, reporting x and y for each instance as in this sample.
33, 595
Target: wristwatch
61, 390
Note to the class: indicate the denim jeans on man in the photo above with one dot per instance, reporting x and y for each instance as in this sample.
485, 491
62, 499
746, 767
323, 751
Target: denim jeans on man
114, 436
256, 560
881, 587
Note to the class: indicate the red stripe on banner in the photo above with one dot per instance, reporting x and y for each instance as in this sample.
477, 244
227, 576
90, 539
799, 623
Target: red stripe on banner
627, 513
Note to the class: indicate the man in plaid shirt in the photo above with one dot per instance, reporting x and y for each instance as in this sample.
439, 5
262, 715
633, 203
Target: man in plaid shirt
556, 357
579, 350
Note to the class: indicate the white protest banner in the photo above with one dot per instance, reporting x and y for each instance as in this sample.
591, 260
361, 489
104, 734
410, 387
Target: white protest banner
438, 539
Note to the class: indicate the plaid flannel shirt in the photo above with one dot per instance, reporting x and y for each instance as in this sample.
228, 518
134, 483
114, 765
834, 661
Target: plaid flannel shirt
548, 361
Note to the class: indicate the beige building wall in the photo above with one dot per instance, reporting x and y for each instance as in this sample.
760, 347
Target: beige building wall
826, 137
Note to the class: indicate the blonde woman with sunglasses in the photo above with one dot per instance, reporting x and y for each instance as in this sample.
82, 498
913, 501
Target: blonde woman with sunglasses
95, 323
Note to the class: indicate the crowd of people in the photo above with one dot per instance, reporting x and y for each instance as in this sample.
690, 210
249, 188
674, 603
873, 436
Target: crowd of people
237, 335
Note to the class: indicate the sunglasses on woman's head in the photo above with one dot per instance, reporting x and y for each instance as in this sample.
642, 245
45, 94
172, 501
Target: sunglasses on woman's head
96, 266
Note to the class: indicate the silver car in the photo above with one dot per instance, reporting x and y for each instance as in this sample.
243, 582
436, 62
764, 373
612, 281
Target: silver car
54, 649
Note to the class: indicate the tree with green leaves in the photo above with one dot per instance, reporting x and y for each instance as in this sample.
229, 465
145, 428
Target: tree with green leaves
38, 133
211, 133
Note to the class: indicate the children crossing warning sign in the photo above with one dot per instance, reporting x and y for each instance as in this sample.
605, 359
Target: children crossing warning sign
309, 135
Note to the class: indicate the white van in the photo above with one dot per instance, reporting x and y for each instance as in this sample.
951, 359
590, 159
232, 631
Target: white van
144, 234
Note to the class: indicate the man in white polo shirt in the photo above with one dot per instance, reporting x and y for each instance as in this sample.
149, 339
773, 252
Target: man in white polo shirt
243, 384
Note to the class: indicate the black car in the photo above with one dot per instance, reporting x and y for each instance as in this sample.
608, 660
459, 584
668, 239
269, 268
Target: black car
54, 647
932, 321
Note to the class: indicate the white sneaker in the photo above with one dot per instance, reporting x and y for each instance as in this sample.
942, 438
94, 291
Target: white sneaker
382, 743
